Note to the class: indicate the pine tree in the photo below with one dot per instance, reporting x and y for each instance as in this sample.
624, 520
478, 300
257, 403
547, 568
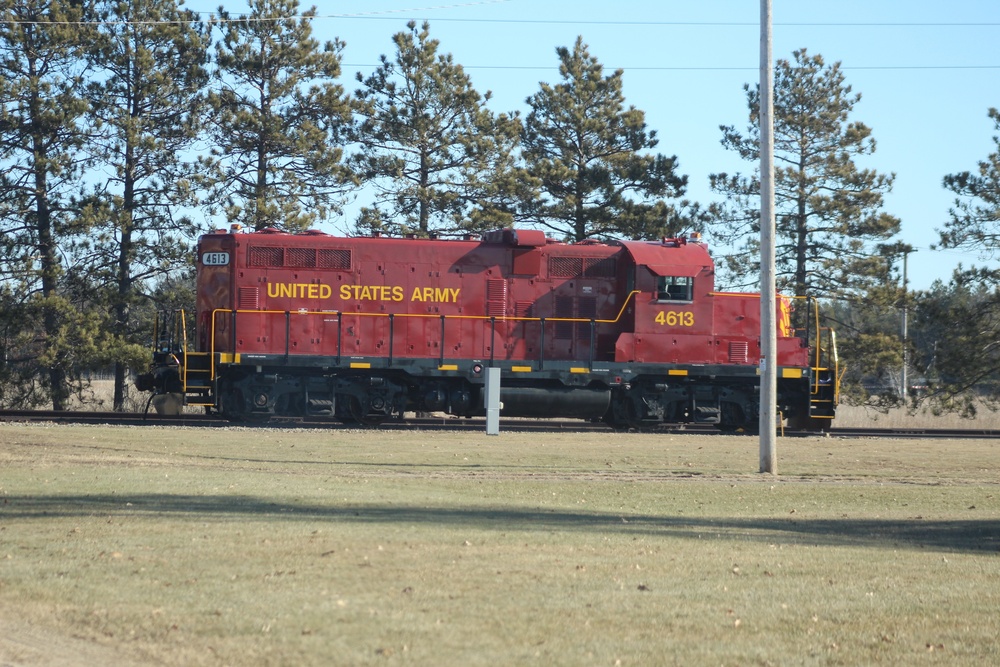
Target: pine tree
957, 324
975, 216
590, 153
41, 69
829, 221
147, 89
955, 328
278, 121
437, 158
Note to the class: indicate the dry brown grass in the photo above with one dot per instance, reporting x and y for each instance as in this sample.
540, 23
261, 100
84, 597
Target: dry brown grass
860, 417
98, 396
278, 547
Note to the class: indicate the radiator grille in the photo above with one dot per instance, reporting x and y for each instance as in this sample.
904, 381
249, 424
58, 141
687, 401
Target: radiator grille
565, 267
307, 258
334, 258
595, 267
586, 267
301, 257
266, 256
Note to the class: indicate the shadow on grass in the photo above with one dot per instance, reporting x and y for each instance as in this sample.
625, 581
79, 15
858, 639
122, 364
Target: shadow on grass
960, 535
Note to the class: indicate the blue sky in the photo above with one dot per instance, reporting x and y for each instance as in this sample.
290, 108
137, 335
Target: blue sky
927, 72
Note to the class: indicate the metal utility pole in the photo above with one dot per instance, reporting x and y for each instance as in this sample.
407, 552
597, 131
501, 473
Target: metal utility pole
768, 300
906, 250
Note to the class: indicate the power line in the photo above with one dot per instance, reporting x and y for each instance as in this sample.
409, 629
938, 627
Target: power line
724, 68
212, 18
682, 24
394, 15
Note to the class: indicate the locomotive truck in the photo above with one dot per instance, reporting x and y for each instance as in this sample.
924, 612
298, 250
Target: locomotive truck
364, 329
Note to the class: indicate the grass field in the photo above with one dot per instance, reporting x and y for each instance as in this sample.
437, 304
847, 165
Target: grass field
290, 547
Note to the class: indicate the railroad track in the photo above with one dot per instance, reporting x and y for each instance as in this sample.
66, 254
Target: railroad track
475, 424
111, 418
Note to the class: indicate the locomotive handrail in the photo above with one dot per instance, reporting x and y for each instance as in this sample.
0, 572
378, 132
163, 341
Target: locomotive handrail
836, 364
184, 377
818, 362
340, 313
362, 313
176, 340
832, 363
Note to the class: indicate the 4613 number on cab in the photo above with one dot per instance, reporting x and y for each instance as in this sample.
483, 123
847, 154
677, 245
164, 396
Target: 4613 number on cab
675, 318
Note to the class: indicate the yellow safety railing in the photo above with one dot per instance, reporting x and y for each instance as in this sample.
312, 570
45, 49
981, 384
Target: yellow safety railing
176, 340
342, 313
826, 358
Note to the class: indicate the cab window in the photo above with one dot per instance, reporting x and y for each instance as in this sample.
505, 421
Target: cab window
674, 288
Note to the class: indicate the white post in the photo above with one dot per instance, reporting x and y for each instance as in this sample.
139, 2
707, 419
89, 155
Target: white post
492, 401
768, 299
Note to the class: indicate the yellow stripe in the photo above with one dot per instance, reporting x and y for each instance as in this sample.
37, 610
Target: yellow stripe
448, 367
676, 372
579, 370
357, 364
521, 369
791, 372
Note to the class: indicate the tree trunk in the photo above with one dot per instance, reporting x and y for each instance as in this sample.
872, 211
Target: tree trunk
49, 263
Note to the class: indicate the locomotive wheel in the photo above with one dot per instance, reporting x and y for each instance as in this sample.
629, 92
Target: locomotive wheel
362, 416
735, 420
623, 415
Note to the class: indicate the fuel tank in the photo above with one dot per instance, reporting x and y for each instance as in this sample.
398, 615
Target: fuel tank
577, 403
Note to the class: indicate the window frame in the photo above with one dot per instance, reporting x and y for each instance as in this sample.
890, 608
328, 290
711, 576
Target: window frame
674, 289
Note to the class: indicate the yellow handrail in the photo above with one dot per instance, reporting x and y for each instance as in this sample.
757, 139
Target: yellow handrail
621, 312
212, 357
184, 377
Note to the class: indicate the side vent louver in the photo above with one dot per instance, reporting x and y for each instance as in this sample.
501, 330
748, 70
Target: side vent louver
249, 298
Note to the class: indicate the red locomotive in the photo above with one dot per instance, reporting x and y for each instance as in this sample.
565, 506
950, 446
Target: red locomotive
364, 329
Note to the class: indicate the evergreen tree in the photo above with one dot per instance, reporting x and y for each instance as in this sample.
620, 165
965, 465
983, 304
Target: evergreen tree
437, 158
975, 217
151, 63
589, 152
41, 68
869, 330
957, 325
828, 211
277, 120
954, 329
